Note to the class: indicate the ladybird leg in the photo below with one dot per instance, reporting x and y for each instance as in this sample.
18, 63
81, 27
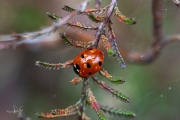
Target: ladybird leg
110, 90
95, 105
55, 66
112, 79
76, 80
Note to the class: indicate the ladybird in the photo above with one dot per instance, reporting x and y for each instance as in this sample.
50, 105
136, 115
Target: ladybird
88, 62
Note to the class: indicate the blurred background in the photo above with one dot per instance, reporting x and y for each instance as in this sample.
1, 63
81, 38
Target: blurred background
153, 88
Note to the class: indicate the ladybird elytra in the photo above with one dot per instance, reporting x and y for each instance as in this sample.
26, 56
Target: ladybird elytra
88, 62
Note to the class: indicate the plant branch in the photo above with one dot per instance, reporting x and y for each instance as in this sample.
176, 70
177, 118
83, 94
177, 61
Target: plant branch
31, 37
8, 41
157, 20
98, 4
151, 54
83, 99
104, 23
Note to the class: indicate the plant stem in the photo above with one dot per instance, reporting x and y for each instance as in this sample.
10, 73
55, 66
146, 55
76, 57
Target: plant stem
104, 23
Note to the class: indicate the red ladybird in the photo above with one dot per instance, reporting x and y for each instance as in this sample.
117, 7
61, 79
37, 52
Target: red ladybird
88, 62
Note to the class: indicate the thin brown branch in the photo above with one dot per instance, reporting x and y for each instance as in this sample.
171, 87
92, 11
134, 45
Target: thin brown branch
83, 5
156, 45
83, 99
98, 4
13, 40
8, 41
104, 23
151, 53
157, 21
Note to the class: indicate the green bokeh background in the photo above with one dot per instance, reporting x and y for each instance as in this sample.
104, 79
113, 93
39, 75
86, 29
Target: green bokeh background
153, 88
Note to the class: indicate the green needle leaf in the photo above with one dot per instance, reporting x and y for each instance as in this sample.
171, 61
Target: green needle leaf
117, 112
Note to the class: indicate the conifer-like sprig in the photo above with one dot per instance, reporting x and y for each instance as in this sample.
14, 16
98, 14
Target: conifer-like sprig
54, 66
80, 26
123, 18
57, 113
76, 80
107, 45
117, 112
115, 47
52, 116
53, 16
67, 8
86, 12
95, 105
110, 90
99, 11
112, 79
68, 110
75, 43
96, 19
73, 24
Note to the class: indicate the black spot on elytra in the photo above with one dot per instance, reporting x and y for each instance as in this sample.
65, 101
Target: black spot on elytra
89, 73
88, 65
82, 55
100, 63
76, 68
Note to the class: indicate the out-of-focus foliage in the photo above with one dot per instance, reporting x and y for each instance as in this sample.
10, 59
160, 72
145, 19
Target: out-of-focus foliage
153, 89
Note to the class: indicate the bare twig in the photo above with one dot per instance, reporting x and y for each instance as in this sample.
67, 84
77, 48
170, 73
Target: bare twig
151, 53
7, 41
98, 4
104, 23
157, 20
83, 5
83, 99
158, 41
